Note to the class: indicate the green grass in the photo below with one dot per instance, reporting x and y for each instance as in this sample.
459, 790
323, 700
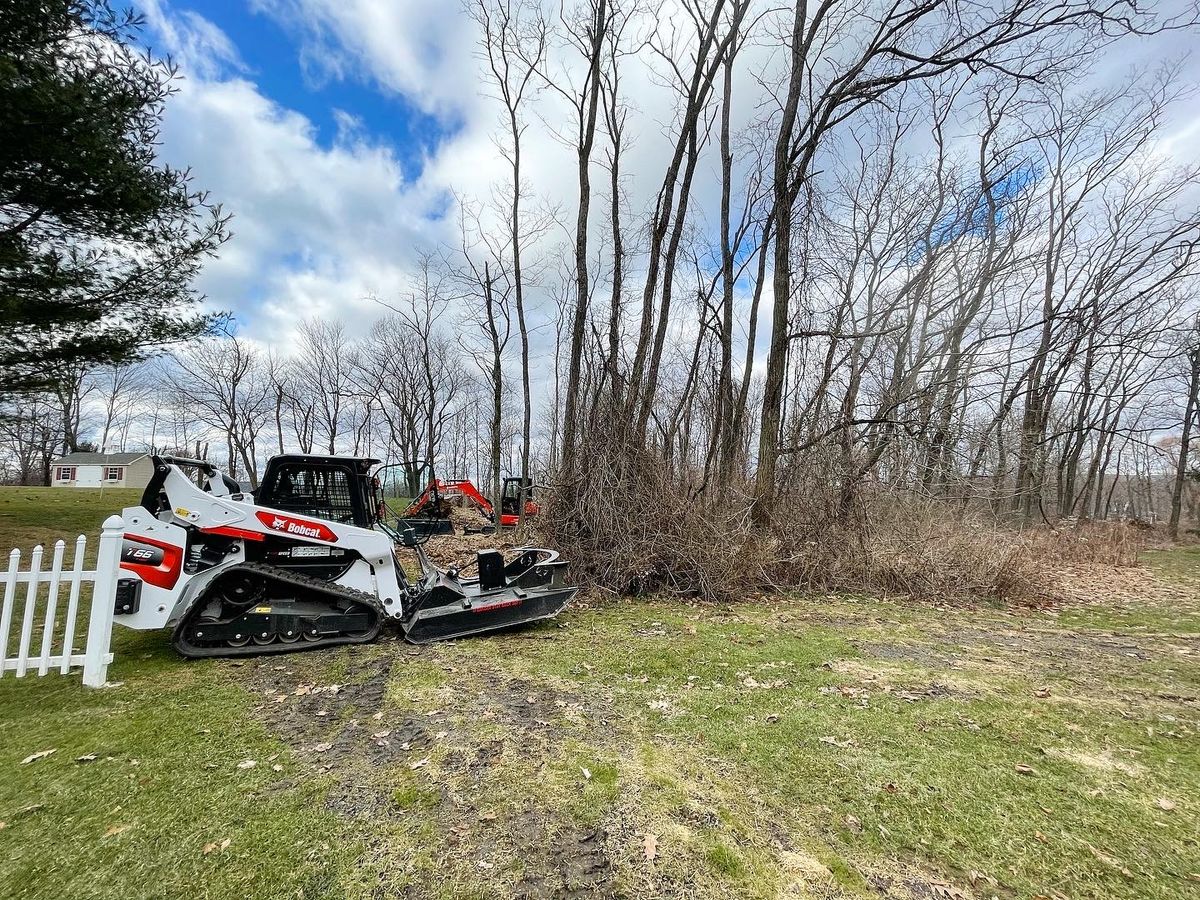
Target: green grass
30, 516
135, 821
165, 783
921, 757
823, 747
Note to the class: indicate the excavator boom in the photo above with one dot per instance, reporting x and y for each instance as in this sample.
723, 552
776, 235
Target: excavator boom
434, 501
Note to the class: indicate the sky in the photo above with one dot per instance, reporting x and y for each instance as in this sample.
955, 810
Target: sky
324, 161
335, 132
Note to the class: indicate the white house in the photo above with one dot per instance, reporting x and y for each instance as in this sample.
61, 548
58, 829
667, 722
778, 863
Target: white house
93, 470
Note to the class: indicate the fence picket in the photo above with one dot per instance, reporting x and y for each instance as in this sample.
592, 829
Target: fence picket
10, 600
104, 597
35, 577
76, 579
60, 548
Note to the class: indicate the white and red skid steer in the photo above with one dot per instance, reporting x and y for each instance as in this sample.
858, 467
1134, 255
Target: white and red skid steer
308, 560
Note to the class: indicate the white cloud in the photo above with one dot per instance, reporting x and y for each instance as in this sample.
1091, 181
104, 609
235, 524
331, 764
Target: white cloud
315, 228
418, 48
198, 45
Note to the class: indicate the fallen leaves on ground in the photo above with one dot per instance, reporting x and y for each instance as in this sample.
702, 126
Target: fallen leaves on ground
86, 758
834, 742
247, 764
115, 830
976, 877
651, 846
1022, 769
854, 823
946, 890
34, 757
751, 682
215, 845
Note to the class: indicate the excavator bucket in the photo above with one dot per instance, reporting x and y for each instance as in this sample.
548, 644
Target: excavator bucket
527, 589
426, 525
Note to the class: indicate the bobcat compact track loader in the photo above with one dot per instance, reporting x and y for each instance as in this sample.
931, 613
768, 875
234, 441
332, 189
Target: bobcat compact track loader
306, 561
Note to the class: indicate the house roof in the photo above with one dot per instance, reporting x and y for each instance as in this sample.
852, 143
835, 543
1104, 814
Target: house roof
99, 459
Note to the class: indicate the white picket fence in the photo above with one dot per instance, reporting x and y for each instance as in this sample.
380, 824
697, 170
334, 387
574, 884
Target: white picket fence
44, 652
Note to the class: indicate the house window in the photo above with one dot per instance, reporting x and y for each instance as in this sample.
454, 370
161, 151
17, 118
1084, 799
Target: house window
114, 473
66, 473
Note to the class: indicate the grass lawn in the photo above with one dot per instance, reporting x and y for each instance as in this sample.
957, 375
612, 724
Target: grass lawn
817, 747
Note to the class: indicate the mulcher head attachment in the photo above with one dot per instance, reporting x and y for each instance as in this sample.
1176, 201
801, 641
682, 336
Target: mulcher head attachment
527, 588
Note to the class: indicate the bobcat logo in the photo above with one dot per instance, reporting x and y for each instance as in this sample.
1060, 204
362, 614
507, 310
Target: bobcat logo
297, 527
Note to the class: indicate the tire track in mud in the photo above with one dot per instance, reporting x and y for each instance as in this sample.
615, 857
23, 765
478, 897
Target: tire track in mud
353, 734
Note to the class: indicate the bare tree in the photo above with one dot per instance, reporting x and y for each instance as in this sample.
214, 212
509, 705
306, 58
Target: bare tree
123, 390
323, 366
901, 43
1190, 409
514, 43
222, 385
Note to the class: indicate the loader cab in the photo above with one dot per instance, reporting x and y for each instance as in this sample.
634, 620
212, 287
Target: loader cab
334, 488
511, 496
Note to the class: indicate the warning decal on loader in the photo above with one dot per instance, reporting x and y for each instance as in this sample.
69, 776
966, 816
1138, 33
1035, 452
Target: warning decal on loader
298, 527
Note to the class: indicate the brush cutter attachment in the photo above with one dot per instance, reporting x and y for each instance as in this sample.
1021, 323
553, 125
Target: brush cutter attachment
526, 588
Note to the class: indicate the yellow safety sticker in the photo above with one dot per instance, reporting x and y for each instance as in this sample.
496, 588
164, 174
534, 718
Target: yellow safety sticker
181, 512
262, 609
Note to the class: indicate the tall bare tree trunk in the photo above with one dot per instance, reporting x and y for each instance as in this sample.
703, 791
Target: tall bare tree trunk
587, 136
781, 278
1181, 467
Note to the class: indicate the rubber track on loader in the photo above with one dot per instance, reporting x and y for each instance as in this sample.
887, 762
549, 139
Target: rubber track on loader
293, 579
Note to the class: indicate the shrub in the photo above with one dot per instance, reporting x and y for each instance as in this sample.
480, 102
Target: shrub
631, 525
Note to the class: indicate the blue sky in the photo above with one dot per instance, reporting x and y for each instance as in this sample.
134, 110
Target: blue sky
331, 150
271, 55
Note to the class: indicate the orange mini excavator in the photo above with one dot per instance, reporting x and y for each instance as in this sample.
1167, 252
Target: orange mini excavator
435, 501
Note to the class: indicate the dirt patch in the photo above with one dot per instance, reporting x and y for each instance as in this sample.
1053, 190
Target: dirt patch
560, 861
920, 654
391, 763
1102, 761
897, 683
303, 708
343, 729
915, 887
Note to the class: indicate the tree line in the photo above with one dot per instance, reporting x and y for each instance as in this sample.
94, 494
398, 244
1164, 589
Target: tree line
890, 247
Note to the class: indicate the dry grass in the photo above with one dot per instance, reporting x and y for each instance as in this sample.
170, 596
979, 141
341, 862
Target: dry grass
1108, 543
900, 544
